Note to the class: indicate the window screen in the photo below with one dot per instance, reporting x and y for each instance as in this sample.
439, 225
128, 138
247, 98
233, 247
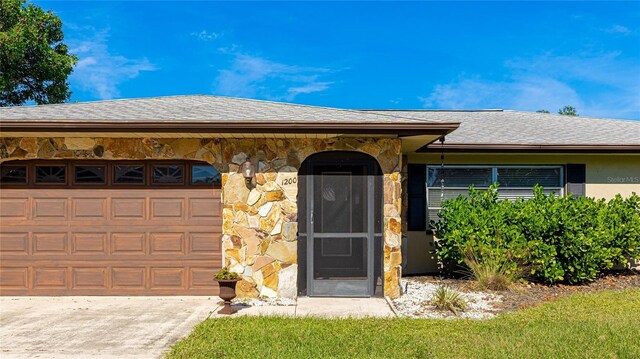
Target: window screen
515, 182
529, 177
459, 177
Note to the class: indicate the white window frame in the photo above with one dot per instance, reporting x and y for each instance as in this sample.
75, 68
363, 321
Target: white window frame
494, 179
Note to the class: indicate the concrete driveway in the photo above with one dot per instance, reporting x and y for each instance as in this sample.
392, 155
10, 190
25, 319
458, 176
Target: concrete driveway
90, 327
135, 327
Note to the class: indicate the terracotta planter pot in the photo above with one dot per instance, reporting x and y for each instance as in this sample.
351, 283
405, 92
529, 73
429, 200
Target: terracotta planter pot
227, 292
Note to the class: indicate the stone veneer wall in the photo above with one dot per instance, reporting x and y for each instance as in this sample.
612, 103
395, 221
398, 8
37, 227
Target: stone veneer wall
259, 225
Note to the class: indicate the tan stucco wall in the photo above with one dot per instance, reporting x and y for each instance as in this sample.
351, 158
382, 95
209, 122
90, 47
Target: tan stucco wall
611, 175
259, 224
606, 176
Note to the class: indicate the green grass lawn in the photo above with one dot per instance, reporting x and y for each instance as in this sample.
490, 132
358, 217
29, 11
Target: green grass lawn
601, 325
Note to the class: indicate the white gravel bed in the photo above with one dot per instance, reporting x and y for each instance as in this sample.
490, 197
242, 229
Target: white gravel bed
263, 302
416, 303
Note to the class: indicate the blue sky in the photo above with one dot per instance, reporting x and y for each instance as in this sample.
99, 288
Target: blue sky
445, 55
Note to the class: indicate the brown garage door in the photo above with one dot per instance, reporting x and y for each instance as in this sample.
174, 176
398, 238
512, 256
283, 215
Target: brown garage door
109, 228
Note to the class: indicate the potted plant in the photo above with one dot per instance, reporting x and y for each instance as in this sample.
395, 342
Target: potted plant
227, 282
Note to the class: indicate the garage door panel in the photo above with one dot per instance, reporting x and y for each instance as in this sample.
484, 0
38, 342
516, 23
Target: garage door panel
164, 243
49, 208
89, 278
49, 278
89, 208
14, 208
107, 278
204, 208
128, 208
128, 277
143, 259
14, 278
14, 243
163, 278
128, 243
167, 208
201, 277
50, 243
89, 244
204, 243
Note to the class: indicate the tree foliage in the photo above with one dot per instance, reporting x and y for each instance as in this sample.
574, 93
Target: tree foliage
34, 61
568, 111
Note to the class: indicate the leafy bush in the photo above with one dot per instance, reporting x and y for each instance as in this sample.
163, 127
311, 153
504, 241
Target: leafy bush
446, 298
225, 274
559, 239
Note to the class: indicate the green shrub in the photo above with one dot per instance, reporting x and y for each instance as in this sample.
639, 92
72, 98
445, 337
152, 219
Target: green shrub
225, 274
559, 239
622, 221
446, 298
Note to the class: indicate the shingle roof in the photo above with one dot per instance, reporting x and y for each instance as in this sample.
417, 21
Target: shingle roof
529, 128
484, 127
194, 108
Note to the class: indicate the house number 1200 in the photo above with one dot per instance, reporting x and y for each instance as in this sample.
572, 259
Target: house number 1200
288, 181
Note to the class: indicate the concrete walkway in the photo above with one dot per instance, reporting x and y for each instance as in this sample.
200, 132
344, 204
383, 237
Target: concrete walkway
134, 327
324, 308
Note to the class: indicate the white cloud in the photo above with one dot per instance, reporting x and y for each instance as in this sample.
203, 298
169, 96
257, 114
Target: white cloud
257, 77
465, 93
206, 35
532, 93
597, 85
618, 29
309, 88
98, 70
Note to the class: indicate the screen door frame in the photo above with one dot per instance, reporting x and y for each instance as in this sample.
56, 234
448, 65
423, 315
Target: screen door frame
341, 287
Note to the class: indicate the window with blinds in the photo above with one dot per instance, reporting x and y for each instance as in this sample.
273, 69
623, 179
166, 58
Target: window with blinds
515, 182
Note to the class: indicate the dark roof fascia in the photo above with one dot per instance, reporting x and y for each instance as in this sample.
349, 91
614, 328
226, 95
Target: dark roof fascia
396, 128
520, 148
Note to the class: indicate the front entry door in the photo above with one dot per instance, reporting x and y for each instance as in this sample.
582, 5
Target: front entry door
340, 229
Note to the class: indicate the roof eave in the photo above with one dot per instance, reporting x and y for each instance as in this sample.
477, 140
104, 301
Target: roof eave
534, 148
401, 129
